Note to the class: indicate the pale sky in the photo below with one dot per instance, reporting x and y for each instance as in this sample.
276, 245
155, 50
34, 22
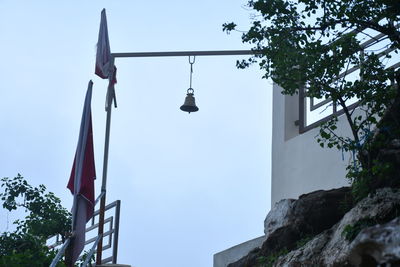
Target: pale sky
190, 185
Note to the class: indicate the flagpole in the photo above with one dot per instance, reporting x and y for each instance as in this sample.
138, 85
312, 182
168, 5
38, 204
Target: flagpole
109, 99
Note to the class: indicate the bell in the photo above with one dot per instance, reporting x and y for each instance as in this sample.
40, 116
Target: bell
189, 105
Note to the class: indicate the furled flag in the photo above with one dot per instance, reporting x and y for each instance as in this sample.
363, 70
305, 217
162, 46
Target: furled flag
103, 54
81, 181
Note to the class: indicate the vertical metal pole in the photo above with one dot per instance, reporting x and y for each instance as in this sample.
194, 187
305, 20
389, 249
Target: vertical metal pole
116, 232
109, 100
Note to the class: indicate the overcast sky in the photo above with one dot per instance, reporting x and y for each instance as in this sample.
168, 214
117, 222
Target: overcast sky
190, 185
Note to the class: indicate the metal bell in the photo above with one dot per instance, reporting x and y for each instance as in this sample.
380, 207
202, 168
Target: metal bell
190, 104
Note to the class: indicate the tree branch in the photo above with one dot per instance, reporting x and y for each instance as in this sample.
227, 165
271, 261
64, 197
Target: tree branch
349, 119
390, 30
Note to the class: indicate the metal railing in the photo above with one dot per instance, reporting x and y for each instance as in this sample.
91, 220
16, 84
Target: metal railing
111, 234
307, 107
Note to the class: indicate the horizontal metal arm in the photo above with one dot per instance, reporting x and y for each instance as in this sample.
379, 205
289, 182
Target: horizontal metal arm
188, 53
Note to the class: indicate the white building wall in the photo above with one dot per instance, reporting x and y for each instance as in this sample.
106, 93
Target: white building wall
299, 164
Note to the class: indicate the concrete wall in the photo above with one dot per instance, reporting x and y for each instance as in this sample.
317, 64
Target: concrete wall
223, 258
299, 164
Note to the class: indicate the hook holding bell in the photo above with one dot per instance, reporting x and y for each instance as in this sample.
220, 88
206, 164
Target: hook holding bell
190, 102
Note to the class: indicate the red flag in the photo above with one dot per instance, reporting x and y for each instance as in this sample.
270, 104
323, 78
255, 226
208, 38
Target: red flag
81, 181
103, 54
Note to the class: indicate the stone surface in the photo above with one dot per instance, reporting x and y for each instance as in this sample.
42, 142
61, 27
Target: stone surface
377, 244
320, 210
309, 215
389, 154
291, 220
279, 216
330, 248
315, 214
395, 143
308, 255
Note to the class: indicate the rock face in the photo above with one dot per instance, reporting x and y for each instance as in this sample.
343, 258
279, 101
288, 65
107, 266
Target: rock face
377, 244
291, 220
317, 231
390, 154
331, 248
319, 210
279, 216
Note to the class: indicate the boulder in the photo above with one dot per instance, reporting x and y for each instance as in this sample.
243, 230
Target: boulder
292, 220
307, 255
320, 210
308, 216
378, 244
338, 240
279, 216
332, 247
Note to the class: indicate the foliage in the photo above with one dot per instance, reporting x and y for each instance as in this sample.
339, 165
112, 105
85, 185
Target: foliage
22, 249
269, 261
26, 246
46, 215
300, 243
351, 231
84, 257
309, 44
362, 179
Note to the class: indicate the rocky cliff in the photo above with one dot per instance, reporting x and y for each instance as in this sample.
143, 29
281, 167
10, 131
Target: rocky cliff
325, 228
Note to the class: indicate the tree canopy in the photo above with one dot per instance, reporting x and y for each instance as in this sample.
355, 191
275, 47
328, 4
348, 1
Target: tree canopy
312, 44
26, 246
